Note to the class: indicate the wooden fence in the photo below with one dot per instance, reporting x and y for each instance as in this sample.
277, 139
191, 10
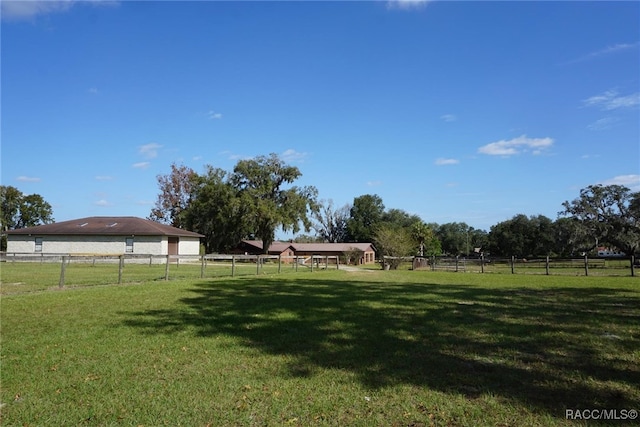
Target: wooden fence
42, 271
542, 265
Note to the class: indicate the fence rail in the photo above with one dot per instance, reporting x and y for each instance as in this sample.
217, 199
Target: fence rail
29, 272
542, 265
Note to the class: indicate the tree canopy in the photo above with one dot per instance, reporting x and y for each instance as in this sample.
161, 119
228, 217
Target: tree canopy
252, 201
175, 195
18, 210
365, 214
261, 187
605, 215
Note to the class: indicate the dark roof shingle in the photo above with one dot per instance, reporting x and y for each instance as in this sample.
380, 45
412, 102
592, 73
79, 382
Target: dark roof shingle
107, 225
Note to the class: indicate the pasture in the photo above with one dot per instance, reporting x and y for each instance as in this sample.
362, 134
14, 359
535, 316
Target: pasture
369, 348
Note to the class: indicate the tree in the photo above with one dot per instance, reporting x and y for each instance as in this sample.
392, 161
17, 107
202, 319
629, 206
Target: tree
215, 211
331, 223
428, 243
605, 215
394, 242
456, 238
10, 199
260, 183
365, 214
174, 197
523, 236
399, 218
20, 211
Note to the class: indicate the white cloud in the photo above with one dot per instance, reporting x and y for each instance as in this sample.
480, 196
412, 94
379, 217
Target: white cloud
630, 181
449, 117
407, 4
374, 183
23, 178
616, 48
104, 178
102, 202
444, 162
93, 91
141, 165
610, 100
603, 124
519, 145
149, 151
292, 155
212, 115
25, 10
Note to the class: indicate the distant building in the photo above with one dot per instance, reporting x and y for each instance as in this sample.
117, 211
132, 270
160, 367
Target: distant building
290, 249
104, 235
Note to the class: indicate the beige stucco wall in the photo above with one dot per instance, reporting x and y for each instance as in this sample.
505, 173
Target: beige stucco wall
152, 245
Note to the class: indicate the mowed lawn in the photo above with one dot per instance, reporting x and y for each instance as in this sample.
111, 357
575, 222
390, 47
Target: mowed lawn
370, 348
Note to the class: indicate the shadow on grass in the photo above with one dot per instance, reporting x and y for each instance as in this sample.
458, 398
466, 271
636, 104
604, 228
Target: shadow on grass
548, 349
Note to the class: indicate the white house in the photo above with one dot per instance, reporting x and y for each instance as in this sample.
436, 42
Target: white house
112, 235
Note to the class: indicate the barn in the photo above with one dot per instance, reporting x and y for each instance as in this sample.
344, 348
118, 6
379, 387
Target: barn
366, 251
104, 235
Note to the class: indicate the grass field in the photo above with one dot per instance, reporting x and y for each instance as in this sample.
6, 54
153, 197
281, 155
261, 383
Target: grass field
369, 348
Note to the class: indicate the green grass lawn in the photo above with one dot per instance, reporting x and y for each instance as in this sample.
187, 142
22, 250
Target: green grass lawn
370, 348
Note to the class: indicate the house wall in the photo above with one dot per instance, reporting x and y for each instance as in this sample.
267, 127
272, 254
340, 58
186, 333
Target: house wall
152, 245
188, 246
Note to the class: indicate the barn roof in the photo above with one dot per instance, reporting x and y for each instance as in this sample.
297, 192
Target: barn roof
331, 247
106, 225
278, 247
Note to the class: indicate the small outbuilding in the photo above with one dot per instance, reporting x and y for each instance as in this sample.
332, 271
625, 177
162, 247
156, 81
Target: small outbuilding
364, 252
104, 235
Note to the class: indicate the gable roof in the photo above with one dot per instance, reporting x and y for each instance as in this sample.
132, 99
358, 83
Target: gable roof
276, 247
106, 225
279, 247
332, 247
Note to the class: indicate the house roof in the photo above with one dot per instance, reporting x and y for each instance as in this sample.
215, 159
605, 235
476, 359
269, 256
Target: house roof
106, 225
311, 247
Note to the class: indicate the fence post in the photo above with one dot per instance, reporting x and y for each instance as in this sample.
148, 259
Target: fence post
546, 265
337, 262
279, 262
586, 265
233, 265
513, 261
166, 268
150, 260
202, 267
120, 268
457, 263
297, 262
633, 261
312, 263
257, 264
63, 267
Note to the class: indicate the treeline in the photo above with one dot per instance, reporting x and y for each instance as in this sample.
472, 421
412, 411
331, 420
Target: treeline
258, 197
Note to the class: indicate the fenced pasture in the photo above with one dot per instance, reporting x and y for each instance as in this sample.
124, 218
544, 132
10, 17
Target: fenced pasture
29, 272
329, 348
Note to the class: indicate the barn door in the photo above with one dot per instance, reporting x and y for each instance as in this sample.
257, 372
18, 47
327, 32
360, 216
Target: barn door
173, 245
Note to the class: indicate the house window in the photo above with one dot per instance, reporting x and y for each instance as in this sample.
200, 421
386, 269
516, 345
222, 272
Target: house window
38, 244
129, 245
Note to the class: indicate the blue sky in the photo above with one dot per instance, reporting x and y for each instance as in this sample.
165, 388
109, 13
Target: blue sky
455, 111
